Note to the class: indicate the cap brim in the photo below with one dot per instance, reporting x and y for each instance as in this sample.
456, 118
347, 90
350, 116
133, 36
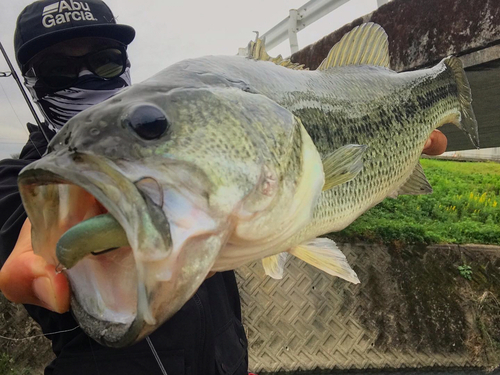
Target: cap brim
121, 33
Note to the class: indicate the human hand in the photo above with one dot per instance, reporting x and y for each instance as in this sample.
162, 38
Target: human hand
27, 278
436, 144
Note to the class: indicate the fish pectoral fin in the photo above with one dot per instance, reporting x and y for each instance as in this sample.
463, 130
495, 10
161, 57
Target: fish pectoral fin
275, 265
364, 45
417, 184
324, 254
343, 165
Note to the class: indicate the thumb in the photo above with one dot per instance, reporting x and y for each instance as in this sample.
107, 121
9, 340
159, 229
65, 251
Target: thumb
436, 144
27, 278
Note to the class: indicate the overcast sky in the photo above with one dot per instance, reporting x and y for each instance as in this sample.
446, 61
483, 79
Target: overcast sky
167, 32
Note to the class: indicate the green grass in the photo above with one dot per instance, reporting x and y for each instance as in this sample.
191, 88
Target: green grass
464, 208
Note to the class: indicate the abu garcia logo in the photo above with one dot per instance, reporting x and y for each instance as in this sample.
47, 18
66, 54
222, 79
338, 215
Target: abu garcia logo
66, 11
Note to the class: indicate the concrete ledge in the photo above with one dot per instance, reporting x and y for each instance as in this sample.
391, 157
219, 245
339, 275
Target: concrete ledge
482, 155
459, 158
421, 33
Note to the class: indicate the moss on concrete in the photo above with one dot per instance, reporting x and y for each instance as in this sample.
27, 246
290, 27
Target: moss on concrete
422, 303
421, 32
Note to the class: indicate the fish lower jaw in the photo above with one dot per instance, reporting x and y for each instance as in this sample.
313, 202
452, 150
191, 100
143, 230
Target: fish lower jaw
105, 296
106, 333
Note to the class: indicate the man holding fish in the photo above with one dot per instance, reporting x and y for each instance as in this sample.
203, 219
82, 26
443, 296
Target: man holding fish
73, 56
71, 62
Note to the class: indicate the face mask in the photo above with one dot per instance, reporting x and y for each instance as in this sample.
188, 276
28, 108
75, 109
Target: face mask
58, 107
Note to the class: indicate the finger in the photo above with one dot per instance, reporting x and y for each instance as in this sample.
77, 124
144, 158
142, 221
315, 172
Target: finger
436, 144
27, 278
52, 290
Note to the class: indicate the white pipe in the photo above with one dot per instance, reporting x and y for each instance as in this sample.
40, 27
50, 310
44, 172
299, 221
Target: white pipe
292, 31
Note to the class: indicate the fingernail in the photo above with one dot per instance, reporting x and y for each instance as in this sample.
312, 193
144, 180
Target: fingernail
44, 291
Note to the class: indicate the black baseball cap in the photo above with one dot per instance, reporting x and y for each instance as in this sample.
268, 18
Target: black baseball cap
47, 22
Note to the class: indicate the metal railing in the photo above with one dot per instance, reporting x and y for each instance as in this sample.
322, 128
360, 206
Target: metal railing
299, 19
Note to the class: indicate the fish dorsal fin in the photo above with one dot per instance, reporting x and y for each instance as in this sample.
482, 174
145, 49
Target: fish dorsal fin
257, 51
366, 44
343, 165
417, 184
324, 254
274, 265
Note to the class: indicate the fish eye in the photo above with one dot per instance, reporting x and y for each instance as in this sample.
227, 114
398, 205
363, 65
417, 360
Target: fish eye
148, 121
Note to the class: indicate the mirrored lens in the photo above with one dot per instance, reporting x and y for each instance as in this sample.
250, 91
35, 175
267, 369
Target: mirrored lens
58, 72
108, 63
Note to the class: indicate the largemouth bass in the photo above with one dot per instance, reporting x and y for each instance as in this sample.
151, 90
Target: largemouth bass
219, 161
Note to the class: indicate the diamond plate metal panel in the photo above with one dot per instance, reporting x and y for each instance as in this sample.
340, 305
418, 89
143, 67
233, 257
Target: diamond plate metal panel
310, 320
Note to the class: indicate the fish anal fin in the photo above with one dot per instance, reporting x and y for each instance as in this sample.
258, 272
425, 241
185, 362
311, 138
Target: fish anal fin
343, 165
324, 254
366, 44
417, 184
274, 265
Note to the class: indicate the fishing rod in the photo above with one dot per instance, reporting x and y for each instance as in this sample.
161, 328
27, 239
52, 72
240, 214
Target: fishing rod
18, 81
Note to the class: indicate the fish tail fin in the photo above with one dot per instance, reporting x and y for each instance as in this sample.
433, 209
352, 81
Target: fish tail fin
468, 121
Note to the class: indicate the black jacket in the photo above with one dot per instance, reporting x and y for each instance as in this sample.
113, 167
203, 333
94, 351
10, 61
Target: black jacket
205, 337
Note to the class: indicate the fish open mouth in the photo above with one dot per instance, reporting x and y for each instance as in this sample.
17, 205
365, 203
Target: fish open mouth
73, 206
104, 281
135, 250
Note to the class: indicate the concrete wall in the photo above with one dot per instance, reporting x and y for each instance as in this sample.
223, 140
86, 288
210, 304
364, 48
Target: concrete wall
421, 33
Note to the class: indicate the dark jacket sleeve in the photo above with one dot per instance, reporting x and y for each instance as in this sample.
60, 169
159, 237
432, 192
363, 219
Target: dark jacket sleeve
12, 214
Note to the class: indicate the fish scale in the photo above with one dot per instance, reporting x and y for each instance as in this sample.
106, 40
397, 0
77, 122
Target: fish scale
388, 111
393, 113
401, 128
249, 160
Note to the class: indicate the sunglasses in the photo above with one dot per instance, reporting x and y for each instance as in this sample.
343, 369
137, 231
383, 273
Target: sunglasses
58, 72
